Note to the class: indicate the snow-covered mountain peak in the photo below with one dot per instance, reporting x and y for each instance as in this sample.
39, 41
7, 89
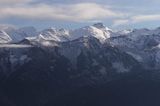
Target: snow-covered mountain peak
90, 31
101, 26
55, 34
98, 31
63, 35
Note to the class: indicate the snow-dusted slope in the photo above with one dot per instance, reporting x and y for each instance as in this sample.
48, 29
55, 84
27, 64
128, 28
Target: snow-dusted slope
142, 44
98, 31
60, 35
4, 37
14, 35
22, 33
89, 31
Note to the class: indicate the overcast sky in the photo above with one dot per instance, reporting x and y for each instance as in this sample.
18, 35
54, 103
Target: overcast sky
116, 14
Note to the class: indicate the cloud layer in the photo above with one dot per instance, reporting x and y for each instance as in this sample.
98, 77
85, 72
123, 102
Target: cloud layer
137, 19
73, 12
117, 13
2, 2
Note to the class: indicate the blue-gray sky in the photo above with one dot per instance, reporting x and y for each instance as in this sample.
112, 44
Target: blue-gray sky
116, 14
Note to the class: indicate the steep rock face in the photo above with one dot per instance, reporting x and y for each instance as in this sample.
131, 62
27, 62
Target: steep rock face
12, 57
40, 74
139, 43
80, 58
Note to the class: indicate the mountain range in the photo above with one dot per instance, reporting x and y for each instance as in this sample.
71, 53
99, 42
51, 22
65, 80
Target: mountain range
142, 44
53, 62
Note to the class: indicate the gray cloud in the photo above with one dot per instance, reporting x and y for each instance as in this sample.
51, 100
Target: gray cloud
73, 12
115, 12
2, 2
137, 19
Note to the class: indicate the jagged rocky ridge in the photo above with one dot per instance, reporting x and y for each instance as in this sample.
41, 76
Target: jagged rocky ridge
142, 44
57, 61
